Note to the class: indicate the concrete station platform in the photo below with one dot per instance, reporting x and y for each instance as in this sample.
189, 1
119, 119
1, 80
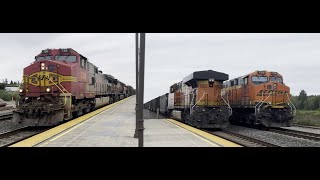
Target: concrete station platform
114, 126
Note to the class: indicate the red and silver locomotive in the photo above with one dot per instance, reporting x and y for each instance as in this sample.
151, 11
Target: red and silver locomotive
61, 84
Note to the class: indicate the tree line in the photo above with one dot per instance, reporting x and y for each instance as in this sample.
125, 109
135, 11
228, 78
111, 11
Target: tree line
305, 102
5, 83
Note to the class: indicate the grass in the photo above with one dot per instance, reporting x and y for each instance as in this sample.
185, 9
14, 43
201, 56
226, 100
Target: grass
7, 96
307, 118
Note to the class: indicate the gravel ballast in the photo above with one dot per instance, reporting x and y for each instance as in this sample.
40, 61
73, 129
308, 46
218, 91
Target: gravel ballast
273, 138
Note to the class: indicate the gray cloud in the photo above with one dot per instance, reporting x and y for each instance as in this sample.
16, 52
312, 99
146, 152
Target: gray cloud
171, 57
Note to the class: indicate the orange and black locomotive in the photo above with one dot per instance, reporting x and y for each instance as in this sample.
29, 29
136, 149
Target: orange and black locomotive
196, 100
259, 98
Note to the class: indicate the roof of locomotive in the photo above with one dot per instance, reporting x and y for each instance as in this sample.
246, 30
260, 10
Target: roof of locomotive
260, 72
54, 51
205, 75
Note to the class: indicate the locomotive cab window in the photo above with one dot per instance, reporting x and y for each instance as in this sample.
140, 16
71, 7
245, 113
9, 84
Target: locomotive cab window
259, 79
67, 58
236, 82
83, 63
93, 81
229, 84
276, 79
245, 81
240, 81
171, 90
39, 58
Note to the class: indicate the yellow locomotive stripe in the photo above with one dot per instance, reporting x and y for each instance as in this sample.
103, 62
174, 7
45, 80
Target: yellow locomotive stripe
34, 140
39, 78
206, 135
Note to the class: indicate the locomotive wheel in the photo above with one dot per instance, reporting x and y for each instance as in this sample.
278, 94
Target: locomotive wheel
79, 113
86, 110
76, 114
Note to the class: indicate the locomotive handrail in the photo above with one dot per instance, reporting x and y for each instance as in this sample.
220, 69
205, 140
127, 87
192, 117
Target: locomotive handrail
65, 96
291, 105
263, 102
199, 100
227, 102
190, 102
260, 104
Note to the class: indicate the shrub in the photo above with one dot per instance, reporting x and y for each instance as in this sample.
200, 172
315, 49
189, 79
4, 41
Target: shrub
6, 96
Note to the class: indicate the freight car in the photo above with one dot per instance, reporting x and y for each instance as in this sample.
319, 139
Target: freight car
155, 104
163, 104
130, 91
259, 98
196, 100
160, 103
62, 84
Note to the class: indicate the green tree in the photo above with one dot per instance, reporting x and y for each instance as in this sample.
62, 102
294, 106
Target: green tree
308, 104
2, 86
11, 82
303, 95
294, 100
316, 103
301, 99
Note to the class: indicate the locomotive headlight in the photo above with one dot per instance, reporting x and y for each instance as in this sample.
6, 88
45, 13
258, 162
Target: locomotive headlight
42, 66
20, 90
64, 50
274, 86
48, 89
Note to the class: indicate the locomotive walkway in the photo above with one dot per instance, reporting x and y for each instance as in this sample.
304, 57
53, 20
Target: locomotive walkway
114, 126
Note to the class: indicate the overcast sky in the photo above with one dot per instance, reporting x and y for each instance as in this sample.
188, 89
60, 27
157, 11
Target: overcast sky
171, 57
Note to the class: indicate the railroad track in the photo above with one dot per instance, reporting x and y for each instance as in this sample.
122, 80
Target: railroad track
312, 127
6, 113
11, 137
5, 116
238, 138
241, 139
298, 134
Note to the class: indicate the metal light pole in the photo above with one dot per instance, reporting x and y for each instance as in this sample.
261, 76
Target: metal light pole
137, 83
141, 88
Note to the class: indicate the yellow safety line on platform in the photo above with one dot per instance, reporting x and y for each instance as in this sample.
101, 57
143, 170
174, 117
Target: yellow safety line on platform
34, 140
206, 135
203, 139
43, 143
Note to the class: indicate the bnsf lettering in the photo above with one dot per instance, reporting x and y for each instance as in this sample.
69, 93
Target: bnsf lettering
41, 77
267, 92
